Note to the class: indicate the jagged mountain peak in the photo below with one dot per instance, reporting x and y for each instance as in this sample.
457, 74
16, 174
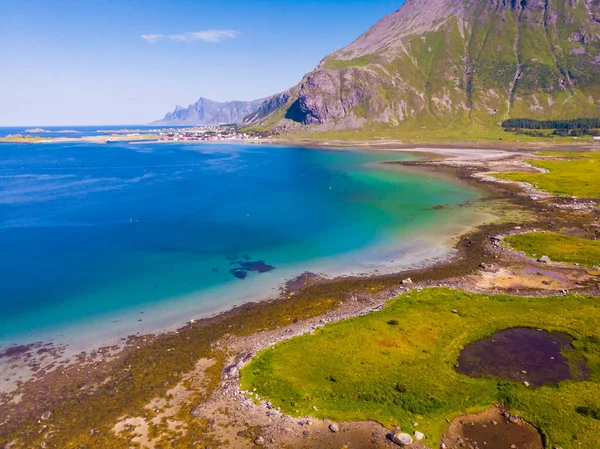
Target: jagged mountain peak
205, 112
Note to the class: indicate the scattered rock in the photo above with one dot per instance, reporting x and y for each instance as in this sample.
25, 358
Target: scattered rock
259, 441
407, 281
231, 371
544, 259
419, 436
46, 415
513, 419
334, 427
402, 439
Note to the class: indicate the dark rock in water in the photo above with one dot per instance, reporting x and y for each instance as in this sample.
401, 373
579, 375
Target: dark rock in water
259, 266
239, 273
15, 351
245, 266
520, 355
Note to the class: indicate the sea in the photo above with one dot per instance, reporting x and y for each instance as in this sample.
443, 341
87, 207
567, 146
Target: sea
103, 241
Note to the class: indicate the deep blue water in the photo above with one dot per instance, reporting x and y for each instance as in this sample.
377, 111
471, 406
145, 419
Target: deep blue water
91, 231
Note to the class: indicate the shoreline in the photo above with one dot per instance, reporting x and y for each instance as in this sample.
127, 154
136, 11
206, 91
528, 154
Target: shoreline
425, 248
249, 321
415, 249
383, 144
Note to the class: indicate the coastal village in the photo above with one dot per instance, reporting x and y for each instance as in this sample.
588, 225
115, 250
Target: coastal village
191, 134
205, 134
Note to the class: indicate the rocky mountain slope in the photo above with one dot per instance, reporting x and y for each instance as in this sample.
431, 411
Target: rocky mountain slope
210, 113
452, 63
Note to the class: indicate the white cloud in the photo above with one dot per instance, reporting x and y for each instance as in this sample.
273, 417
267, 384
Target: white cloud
152, 38
214, 36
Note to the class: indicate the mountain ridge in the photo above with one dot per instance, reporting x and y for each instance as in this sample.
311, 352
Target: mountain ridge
205, 112
452, 63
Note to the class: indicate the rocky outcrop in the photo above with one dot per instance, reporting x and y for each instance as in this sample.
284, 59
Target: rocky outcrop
209, 113
444, 63
269, 106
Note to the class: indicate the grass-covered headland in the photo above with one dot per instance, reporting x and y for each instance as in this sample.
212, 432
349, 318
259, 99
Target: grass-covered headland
397, 366
569, 174
560, 248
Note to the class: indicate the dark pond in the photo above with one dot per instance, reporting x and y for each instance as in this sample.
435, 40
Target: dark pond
519, 354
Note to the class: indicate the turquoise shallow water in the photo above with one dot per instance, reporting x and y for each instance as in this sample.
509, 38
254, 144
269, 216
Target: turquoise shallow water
97, 237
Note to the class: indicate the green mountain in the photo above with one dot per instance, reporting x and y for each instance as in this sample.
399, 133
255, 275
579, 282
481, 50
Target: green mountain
450, 64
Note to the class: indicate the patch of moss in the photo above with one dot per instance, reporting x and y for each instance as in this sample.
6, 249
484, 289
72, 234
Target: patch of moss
340, 64
573, 174
560, 248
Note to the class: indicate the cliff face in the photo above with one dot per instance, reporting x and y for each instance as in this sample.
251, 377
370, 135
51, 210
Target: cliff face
209, 113
448, 62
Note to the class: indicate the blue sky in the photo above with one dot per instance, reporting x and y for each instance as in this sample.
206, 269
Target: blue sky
92, 62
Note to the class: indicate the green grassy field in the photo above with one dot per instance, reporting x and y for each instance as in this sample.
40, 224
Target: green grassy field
577, 174
20, 139
456, 130
560, 248
396, 366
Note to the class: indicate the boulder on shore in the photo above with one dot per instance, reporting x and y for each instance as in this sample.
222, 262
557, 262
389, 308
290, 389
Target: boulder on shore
402, 439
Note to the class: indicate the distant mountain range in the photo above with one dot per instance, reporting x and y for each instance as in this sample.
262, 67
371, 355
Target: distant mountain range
206, 112
452, 64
